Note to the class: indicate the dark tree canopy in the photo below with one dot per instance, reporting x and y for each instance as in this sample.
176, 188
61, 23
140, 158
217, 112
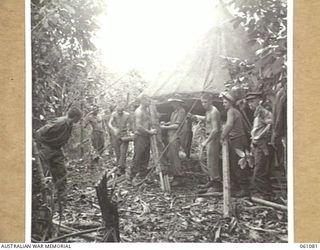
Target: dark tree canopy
265, 22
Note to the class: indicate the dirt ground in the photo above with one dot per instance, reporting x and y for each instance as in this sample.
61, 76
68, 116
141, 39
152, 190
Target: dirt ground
147, 214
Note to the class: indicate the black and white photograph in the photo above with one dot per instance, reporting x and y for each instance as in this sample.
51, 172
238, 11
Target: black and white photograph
161, 121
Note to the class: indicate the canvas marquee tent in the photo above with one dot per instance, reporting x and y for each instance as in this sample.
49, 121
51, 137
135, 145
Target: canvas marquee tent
202, 70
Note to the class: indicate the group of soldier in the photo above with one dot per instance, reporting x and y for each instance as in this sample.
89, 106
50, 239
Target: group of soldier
266, 134
257, 142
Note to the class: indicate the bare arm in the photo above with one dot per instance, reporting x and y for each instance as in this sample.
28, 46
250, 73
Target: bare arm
174, 125
228, 126
169, 127
111, 120
196, 117
199, 117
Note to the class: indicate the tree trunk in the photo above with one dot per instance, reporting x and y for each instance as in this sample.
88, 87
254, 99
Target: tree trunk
109, 211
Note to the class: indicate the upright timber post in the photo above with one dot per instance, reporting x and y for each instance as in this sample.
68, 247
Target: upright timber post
227, 206
157, 148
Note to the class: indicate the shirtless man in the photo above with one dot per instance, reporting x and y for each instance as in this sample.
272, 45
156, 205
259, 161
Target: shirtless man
97, 136
119, 125
212, 143
143, 132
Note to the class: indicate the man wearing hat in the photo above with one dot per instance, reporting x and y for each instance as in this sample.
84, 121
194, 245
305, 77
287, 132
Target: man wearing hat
174, 128
261, 150
234, 132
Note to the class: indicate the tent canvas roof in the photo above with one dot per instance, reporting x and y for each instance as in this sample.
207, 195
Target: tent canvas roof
203, 70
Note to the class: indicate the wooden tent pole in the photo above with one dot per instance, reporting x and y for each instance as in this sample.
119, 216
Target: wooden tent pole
156, 155
157, 148
226, 180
